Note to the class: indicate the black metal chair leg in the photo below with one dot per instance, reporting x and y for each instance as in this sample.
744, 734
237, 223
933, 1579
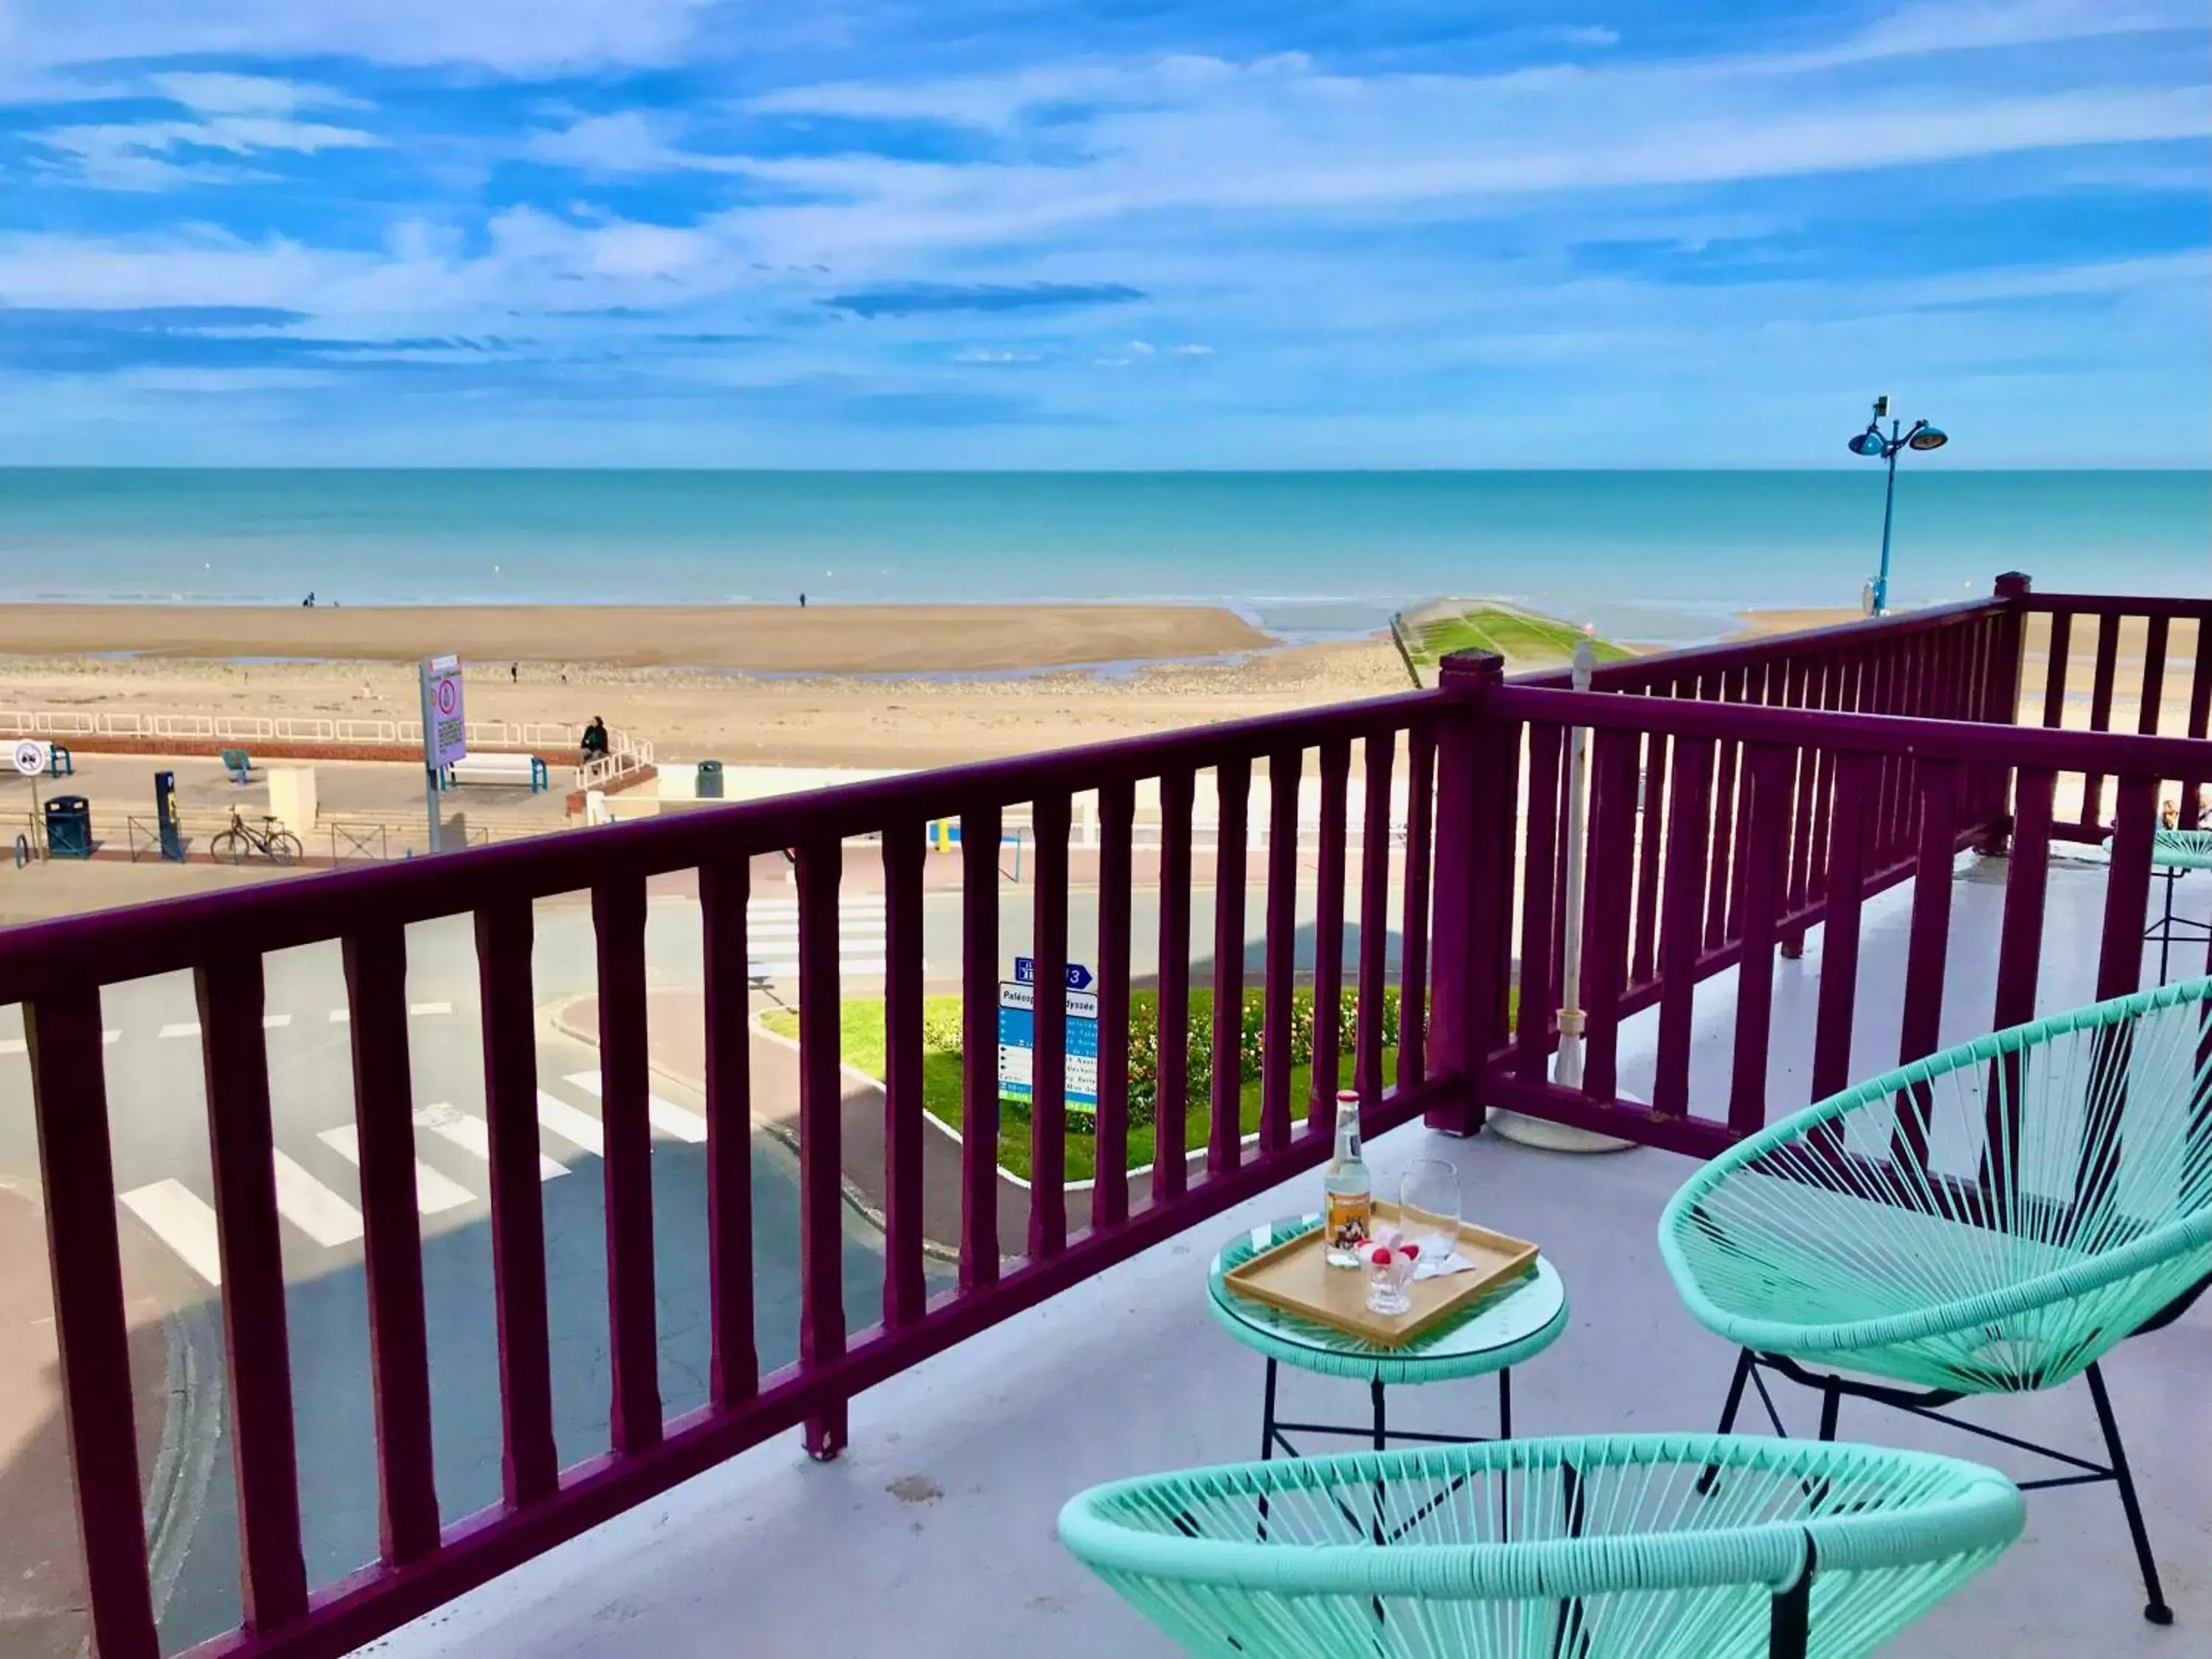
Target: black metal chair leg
2156, 1609
1728, 1416
1505, 1403
1831, 1403
1789, 1618
1267, 1416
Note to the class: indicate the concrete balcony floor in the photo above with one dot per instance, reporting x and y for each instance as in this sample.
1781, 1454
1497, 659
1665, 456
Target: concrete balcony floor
933, 1535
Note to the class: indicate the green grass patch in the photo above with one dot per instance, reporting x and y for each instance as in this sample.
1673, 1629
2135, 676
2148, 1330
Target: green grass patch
861, 1024
1514, 634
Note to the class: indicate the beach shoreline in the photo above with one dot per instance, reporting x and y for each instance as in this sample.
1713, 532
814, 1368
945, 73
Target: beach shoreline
822, 639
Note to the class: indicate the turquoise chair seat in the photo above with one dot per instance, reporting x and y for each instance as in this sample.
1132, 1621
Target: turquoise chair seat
1991, 1219
1608, 1547
2065, 1199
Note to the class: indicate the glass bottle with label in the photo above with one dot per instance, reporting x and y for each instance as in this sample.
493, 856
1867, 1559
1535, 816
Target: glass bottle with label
1350, 1190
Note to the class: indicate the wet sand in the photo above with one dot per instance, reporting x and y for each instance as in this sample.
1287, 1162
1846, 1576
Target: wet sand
781, 638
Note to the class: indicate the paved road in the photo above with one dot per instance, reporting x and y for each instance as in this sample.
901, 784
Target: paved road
158, 1113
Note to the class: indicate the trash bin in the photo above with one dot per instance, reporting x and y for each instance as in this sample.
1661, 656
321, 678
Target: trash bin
69, 827
710, 781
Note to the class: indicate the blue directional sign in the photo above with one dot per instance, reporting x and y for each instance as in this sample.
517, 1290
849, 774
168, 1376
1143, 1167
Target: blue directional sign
1017, 1042
1079, 976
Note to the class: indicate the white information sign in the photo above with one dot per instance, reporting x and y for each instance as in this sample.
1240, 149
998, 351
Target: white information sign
445, 726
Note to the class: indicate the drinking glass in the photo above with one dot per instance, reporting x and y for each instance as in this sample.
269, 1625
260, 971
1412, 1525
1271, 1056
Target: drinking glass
1428, 1207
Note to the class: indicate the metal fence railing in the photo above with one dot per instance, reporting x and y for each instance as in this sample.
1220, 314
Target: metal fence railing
276, 728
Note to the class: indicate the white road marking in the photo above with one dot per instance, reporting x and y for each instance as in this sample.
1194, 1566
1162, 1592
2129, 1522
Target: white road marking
678, 1121
314, 1208
571, 1125
429, 1007
182, 1027
473, 1135
433, 1192
340, 1016
22, 1045
274, 1022
180, 1220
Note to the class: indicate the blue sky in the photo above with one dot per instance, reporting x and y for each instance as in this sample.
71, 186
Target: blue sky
1127, 233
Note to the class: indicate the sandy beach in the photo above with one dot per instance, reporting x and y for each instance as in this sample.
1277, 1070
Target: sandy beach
565, 664
1758, 624
779, 639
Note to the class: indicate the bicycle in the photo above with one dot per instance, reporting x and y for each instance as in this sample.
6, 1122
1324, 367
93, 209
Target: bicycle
272, 841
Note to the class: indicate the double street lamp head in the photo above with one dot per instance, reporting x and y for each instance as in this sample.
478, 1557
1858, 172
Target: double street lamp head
1871, 444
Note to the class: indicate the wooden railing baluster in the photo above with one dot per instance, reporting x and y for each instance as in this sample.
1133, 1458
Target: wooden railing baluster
1233, 782
905, 1284
76, 1179
531, 1470
821, 1133
1283, 771
1171, 1105
1373, 920
1328, 936
242, 1159
1413, 928
1047, 1229
618, 921
375, 961
979, 1036
725, 891
1110, 1194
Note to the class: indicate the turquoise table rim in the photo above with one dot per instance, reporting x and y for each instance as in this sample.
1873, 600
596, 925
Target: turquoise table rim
2181, 850
1455, 1348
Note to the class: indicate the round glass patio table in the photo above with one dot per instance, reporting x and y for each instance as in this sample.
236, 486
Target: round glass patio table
1513, 1324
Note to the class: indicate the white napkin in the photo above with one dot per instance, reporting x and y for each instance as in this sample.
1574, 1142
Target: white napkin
1439, 1257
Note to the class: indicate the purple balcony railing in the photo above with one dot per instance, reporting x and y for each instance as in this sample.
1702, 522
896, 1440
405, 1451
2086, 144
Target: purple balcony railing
1739, 796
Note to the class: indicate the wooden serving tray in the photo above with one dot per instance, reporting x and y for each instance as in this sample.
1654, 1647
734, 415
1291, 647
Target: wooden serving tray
1296, 1278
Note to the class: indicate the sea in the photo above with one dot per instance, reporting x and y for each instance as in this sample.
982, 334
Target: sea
1668, 557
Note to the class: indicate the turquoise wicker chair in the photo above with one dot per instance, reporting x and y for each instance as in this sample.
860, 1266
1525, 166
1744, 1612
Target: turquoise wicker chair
2174, 854
1991, 1219
1599, 1548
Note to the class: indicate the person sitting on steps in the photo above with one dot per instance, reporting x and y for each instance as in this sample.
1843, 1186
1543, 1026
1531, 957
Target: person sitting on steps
595, 740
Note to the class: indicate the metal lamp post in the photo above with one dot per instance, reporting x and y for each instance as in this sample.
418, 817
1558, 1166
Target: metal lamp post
1871, 443
1567, 1068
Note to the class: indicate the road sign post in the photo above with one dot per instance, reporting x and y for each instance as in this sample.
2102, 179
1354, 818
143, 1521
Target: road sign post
32, 757
1018, 1036
445, 728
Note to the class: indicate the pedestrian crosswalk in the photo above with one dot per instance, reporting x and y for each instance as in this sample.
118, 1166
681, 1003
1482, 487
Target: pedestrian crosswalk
314, 1206
772, 938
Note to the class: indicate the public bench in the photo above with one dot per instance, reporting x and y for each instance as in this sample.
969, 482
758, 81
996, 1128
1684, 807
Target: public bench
524, 771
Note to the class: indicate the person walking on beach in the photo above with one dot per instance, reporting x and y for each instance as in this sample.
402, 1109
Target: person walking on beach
802, 601
514, 672
595, 740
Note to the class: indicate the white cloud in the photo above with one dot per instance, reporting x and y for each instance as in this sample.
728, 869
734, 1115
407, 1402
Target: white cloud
628, 142
136, 155
1193, 351
998, 357
1141, 348
1942, 26
509, 36
213, 93
1275, 137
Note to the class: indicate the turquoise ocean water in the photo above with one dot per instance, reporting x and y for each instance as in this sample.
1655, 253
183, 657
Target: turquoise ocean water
1653, 556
